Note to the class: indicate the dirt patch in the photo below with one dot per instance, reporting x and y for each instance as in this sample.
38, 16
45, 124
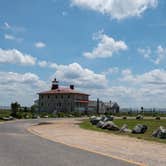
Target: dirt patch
68, 132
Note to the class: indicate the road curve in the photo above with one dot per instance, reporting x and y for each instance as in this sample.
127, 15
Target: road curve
18, 147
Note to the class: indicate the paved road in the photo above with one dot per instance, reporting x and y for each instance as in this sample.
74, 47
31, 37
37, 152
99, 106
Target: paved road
18, 147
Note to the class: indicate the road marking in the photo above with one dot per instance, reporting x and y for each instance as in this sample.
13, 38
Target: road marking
31, 130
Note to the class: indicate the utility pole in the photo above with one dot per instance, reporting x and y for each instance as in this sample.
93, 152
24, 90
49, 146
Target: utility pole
97, 106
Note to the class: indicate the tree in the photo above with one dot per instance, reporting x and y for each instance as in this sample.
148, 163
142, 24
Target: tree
15, 109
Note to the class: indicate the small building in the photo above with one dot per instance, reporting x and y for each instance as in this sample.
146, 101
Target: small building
103, 107
62, 99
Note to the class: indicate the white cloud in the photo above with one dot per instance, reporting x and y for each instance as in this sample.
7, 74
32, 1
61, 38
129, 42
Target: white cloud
14, 56
43, 63
117, 9
19, 87
12, 28
153, 77
106, 47
161, 54
40, 45
156, 56
82, 77
145, 52
11, 37
111, 70
6, 25
53, 65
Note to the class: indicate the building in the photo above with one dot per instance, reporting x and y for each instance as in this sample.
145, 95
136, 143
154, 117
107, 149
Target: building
60, 99
103, 107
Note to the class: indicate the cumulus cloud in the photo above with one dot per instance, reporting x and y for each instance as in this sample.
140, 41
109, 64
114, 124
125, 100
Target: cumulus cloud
106, 47
82, 77
14, 56
40, 45
117, 9
161, 54
156, 56
43, 63
153, 77
21, 87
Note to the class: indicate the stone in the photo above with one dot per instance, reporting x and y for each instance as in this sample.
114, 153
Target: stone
139, 129
110, 126
100, 124
157, 118
125, 128
160, 133
124, 117
139, 117
94, 121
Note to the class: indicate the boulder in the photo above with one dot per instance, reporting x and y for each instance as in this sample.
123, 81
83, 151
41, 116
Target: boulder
124, 117
139, 117
100, 124
92, 117
139, 129
125, 128
110, 126
110, 118
160, 133
94, 121
157, 118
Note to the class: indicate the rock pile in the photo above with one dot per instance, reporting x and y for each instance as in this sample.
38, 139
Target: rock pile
139, 129
160, 133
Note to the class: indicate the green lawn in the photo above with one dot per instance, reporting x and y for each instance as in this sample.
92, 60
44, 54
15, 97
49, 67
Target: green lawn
151, 123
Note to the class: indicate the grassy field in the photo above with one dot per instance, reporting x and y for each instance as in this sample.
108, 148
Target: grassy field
151, 123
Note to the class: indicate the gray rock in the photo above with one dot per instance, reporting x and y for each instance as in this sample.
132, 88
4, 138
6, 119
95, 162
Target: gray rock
160, 133
139, 117
94, 121
110, 126
100, 124
139, 129
125, 128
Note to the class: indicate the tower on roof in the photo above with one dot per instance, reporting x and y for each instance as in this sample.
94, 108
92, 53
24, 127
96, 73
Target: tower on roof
55, 84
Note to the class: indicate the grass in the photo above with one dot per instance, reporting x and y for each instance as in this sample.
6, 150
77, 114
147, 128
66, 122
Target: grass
151, 123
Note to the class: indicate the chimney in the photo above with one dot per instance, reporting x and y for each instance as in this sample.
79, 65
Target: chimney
72, 87
55, 84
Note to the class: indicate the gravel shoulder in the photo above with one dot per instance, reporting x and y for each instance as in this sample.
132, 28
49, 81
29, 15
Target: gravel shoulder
67, 131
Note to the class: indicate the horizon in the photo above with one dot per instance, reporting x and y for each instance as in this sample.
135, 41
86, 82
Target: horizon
117, 55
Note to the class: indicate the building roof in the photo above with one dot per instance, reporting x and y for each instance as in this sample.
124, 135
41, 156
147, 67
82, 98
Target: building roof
62, 91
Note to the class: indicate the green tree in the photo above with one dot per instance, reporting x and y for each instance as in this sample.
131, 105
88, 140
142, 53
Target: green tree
15, 109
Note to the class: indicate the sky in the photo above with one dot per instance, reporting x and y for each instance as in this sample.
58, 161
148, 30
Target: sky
114, 50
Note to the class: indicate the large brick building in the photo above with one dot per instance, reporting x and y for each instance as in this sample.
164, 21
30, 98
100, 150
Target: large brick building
60, 99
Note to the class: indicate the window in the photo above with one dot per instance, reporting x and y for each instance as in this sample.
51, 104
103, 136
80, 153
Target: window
68, 96
56, 96
62, 96
48, 96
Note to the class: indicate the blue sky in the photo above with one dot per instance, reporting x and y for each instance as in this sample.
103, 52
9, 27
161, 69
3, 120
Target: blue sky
114, 50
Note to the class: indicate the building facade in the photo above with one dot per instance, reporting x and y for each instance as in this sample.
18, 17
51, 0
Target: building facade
103, 107
60, 99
